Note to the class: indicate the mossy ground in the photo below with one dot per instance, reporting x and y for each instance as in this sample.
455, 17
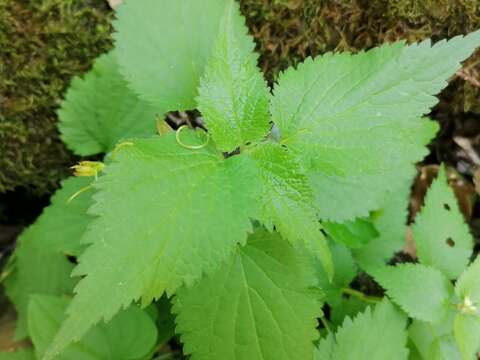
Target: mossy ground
43, 43
287, 31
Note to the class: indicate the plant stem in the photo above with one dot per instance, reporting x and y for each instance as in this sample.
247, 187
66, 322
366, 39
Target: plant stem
361, 296
166, 356
325, 324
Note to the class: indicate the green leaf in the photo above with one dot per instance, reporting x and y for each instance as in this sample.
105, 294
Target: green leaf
467, 322
167, 214
468, 284
376, 334
441, 236
467, 335
351, 233
99, 110
163, 47
422, 336
355, 119
24, 354
129, 335
423, 292
234, 97
345, 270
445, 349
325, 348
258, 306
41, 265
435, 341
390, 222
287, 201
350, 307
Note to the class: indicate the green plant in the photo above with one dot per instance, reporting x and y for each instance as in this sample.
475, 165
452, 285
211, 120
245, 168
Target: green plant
230, 224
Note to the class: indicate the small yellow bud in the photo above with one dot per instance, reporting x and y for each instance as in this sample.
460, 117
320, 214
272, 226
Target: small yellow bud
162, 126
87, 168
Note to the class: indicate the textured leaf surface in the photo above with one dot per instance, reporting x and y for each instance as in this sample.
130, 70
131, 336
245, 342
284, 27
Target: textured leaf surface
258, 306
445, 349
390, 222
433, 343
355, 119
163, 47
99, 110
350, 306
468, 284
166, 214
129, 335
41, 265
376, 334
287, 201
441, 236
352, 233
423, 292
467, 335
345, 270
234, 97
325, 348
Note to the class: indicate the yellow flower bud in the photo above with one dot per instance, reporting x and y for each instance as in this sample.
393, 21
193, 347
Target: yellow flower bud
87, 168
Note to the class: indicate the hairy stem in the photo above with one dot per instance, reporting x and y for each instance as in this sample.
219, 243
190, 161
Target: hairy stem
361, 296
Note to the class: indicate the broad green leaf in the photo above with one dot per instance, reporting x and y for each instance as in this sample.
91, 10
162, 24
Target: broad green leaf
62, 224
390, 222
355, 120
441, 236
163, 47
468, 284
376, 334
167, 214
41, 265
467, 322
350, 307
257, 306
129, 335
467, 335
435, 341
421, 291
351, 233
325, 348
422, 337
345, 270
287, 201
233, 96
99, 110
24, 354
445, 349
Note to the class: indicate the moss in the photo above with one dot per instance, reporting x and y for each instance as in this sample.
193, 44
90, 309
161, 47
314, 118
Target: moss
43, 44
289, 30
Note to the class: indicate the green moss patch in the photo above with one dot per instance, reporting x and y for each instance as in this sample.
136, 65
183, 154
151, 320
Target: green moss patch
43, 44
